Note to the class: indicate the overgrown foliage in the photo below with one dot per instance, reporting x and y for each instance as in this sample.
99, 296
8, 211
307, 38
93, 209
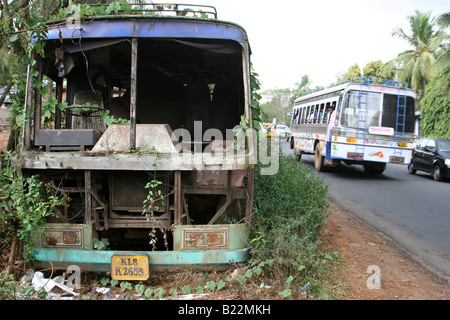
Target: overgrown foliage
435, 112
25, 201
21, 206
290, 210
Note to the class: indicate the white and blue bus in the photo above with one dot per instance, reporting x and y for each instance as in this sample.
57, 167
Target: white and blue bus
362, 121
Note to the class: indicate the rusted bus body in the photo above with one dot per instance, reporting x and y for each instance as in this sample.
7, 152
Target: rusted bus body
179, 85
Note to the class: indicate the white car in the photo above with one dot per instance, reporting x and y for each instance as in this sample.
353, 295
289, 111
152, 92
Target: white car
280, 130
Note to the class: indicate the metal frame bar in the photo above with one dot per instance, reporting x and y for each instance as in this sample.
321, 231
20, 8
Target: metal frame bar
133, 92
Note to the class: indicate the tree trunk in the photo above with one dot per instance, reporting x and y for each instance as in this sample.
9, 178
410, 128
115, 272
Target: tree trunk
11, 258
11, 146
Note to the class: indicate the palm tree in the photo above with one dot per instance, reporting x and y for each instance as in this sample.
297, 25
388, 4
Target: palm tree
443, 55
416, 64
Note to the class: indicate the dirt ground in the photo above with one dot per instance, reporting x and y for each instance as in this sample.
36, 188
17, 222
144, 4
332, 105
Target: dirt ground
361, 247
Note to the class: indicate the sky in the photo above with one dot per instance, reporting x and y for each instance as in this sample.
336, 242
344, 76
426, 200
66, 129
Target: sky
320, 38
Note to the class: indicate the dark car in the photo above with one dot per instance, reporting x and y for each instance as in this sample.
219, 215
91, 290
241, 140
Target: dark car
433, 156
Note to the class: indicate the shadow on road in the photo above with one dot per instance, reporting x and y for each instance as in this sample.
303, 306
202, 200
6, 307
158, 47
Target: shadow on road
355, 172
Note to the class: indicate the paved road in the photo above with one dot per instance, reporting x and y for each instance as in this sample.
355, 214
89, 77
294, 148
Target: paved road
413, 210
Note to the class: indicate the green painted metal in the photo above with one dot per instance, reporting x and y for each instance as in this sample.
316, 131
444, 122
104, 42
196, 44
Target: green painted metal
100, 260
235, 251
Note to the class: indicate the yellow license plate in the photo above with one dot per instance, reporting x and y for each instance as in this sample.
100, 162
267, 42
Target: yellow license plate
129, 267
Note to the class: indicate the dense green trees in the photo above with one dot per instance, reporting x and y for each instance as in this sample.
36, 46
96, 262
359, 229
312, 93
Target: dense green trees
429, 44
435, 112
426, 68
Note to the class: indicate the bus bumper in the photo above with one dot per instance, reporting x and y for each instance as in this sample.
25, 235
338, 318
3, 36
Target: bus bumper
100, 260
197, 247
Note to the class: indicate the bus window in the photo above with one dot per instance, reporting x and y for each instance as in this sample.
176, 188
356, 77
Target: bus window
390, 112
315, 113
309, 114
321, 113
325, 113
357, 114
304, 114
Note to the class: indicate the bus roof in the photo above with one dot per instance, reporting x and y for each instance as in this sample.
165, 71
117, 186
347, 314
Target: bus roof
390, 86
150, 21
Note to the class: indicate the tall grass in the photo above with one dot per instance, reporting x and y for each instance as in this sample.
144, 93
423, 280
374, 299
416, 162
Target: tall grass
290, 210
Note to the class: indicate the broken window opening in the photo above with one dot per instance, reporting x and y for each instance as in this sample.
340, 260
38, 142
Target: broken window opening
179, 83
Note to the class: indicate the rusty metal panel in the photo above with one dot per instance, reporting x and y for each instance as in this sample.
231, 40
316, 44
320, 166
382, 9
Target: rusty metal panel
205, 238
213, 178
211, 237
128, 190
237, 178
66, 139
65, 235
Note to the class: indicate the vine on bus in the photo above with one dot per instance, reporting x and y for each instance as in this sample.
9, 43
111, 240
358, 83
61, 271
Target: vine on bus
24, 202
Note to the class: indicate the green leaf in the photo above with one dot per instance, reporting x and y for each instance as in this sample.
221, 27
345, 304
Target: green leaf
186, 289
257, 270
148, 293
211, 285
37, 84
200, 289
173, 292
159, 292
285, 293
140, 288
104, 281
125, 285
113, 7
220, 284
114, 282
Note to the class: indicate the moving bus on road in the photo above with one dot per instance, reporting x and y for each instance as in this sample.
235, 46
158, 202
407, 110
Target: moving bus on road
136, 137
362, 121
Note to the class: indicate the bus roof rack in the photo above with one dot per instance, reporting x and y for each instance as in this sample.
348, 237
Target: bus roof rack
376, 81
163, 9
361, 80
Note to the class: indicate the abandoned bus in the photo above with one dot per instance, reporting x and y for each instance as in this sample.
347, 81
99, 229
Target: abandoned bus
135, 136
362, 121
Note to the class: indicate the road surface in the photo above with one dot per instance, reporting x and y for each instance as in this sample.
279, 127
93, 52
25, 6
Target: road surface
413, 210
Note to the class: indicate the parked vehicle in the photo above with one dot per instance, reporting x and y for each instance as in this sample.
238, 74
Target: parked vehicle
268, 127
151, 182
433, 156
280, 130
288, 133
